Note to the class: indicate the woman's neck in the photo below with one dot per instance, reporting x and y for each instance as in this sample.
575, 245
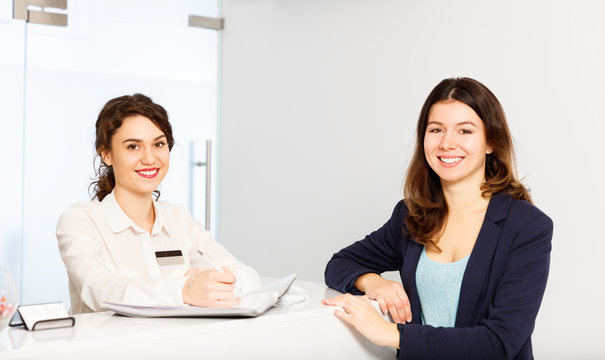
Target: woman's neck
138, 207
464, 198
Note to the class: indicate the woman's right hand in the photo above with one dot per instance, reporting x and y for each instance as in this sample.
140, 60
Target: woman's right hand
390, 295
210, 288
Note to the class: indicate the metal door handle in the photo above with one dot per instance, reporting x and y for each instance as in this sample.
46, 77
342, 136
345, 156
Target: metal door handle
208, 165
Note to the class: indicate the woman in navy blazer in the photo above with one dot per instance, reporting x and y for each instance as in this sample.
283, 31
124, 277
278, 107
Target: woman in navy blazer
462, 200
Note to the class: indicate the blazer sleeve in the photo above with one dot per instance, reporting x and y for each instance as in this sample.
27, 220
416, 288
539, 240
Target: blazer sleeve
511, 315
376, 253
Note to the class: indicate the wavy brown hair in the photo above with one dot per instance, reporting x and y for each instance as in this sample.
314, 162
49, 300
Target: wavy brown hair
427, 209
109, 121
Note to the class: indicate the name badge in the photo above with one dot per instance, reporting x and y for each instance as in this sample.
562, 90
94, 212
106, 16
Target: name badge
169, 257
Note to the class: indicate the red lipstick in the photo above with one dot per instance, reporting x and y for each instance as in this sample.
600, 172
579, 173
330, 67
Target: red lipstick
148, 173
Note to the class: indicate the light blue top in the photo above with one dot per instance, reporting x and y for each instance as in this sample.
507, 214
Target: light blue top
439, 290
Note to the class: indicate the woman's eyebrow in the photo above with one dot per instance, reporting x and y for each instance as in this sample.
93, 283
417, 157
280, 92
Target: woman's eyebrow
467, 123
457, 124
140, 140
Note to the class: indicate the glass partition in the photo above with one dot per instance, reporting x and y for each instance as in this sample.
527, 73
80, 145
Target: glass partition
12, 44
108, 49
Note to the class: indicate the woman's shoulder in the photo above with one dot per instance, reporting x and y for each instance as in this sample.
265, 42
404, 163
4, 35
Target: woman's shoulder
401, 208
78, 214
400, 211
524, 212
81, 208
175, 214
526, 208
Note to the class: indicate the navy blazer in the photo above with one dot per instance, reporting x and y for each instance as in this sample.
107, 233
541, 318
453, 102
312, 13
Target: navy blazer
501, 290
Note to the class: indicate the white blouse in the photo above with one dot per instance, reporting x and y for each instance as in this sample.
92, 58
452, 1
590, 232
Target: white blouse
110, 258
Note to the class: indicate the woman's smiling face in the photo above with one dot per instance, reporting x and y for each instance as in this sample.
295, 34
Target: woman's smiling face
454, 142
139, 155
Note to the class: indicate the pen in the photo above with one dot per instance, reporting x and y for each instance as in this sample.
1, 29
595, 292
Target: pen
209, 260
213, 264
192, 270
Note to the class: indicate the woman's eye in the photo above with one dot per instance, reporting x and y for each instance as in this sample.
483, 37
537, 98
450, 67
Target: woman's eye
465, 131
133, 146
435, 130
160, 144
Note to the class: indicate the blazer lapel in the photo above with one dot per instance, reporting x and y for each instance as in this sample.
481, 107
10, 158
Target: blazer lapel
408, 278
474, 282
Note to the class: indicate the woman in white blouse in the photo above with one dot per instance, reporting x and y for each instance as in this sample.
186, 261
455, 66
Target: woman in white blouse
125, 246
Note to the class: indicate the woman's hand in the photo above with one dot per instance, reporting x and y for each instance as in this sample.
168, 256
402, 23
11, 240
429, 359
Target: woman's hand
210, 288
390, 296
359, 312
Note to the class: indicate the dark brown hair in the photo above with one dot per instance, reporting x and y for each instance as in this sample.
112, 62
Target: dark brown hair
109, 121
423, 194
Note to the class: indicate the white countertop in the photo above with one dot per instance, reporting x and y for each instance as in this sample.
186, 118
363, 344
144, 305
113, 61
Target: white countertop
306, 330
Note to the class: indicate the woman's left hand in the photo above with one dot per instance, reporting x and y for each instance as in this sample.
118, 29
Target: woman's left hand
361, 314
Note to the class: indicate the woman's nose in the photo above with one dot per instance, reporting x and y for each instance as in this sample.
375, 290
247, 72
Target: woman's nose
148, 157
448, 141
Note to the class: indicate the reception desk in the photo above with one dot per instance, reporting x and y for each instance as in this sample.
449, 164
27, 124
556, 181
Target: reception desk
305, 330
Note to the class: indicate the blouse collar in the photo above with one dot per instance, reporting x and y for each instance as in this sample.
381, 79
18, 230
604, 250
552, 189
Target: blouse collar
118, 220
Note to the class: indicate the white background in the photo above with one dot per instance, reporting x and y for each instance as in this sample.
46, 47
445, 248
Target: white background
319, 105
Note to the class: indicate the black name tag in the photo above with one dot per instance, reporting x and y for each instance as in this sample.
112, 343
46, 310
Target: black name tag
169, 257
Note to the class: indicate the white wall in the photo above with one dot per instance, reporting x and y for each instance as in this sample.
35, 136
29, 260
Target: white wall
319, 104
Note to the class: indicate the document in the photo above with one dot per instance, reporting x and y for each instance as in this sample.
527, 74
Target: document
252, 304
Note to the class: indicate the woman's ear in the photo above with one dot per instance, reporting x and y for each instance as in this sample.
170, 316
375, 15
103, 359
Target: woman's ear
106, 157
489, 150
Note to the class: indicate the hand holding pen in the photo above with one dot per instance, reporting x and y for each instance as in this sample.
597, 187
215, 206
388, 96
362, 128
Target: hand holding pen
210, 287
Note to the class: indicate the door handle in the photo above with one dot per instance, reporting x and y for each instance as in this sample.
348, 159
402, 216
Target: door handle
208, 165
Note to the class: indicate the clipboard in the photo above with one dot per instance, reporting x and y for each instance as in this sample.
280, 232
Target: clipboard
252, 304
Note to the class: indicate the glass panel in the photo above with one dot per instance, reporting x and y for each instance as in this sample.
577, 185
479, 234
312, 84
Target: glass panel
12, 42
108, 49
